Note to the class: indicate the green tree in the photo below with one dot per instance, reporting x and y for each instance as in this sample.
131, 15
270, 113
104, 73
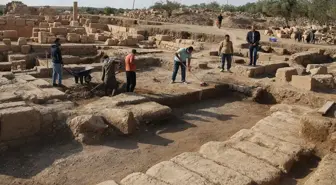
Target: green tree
108, 11
1, 12
169, 6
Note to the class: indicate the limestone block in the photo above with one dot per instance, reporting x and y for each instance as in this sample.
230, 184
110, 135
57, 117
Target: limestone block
319, 70
270, 142
122, 120
312, 66
213, 53
58, 31
5, 66
112, 42
324, 81
10, 21
149, 111
25, 49
40, 83
7, 42
15, 57
258, 170
19, 122
141, 179
279, 160
44, 25
74, 23
30, 23
69, 59
42, 37
285, 74
100, 37
20, 22
139, 37
22, 41
272, 68
131, 42
212, 171
51, 39
316, 128
110, 182
73, 37
266, 49
172, 173
203, 65
282, 134
11, 34
309, 57
163, 37
84, 39
325, 173
2, 22
279, 51
87, 129
57, 24
249, 71
303, 82
98, 26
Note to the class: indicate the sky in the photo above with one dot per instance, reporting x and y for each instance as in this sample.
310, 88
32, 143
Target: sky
118, 3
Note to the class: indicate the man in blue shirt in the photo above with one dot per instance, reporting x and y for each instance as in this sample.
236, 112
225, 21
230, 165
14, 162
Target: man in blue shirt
253, 38
180, 59
57, 62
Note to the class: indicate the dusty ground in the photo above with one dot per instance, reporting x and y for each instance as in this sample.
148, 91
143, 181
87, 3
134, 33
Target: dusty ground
192, 126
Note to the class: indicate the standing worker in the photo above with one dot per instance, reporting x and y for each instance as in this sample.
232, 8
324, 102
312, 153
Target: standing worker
130, 71
180, 59
57, 62
219, 21
109, 79
253, 38
226, 52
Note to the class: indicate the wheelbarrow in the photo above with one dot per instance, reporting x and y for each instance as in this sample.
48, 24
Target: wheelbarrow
81, 75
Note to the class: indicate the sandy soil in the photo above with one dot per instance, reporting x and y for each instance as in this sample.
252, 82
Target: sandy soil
192, 126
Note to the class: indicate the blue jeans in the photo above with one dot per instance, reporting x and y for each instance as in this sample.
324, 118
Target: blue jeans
57, 72
176, 68
228, 58
253, 54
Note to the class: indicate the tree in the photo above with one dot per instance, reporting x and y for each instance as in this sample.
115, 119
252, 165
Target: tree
108, 11
168, 6
1, 12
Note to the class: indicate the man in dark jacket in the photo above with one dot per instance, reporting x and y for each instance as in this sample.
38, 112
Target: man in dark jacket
253, 38
219, 19
108, 75
57, 62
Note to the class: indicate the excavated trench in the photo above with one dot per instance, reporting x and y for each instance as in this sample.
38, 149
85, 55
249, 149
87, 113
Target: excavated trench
192, 114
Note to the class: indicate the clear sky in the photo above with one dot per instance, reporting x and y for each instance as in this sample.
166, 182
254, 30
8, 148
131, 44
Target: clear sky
118, 3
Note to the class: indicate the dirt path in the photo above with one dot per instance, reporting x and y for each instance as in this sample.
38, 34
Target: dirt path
192, 126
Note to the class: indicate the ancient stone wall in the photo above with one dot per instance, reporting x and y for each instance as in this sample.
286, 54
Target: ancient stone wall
23, 26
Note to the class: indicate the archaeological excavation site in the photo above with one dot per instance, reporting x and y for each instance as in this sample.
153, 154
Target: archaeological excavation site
273, 123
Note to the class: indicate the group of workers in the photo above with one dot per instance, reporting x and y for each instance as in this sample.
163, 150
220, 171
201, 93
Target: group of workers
182, 59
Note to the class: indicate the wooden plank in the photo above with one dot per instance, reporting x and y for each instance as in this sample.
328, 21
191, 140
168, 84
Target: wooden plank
326, 107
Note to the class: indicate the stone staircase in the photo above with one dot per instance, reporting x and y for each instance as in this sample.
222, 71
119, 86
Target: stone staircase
260, 155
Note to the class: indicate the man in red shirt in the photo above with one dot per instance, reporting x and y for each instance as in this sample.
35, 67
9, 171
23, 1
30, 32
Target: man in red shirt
130, 71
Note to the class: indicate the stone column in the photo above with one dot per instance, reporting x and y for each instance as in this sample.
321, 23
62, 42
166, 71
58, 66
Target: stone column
75, 10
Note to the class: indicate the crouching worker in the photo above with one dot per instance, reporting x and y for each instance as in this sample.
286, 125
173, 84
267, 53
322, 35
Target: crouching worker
108, 76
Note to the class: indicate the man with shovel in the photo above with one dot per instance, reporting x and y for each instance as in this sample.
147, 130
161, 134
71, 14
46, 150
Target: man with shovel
108, 76
180, 59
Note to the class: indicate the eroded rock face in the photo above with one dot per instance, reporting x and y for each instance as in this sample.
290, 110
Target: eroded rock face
87, 129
